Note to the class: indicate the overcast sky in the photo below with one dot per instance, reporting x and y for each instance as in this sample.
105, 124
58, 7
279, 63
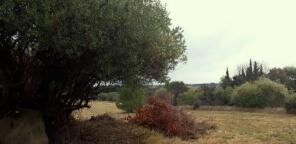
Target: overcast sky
226, 33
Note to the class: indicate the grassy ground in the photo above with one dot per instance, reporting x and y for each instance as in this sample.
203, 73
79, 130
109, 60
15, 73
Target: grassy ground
99, 108
250, 128
233, 127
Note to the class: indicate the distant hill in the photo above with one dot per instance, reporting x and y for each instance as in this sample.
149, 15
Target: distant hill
211, 85
194, 86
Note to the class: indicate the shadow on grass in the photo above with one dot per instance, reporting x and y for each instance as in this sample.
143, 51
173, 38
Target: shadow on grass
104, 129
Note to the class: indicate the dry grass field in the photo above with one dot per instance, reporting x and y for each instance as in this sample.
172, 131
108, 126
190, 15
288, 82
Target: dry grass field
233, 126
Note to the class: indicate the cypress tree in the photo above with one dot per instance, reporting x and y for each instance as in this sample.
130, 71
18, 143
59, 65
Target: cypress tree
249, 75
256, 71
226, 81
261, 70
227, 74
243, 75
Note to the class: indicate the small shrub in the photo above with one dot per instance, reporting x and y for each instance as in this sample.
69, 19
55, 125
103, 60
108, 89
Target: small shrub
110, 96
130, 99
290, 105
162, 116
207, 95
215, 96
188, 98
222, 96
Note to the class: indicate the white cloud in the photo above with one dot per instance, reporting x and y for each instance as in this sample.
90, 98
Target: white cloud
221, 33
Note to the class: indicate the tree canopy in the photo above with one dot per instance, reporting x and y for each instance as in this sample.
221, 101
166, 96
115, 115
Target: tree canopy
176, 88
54, 54
286, 76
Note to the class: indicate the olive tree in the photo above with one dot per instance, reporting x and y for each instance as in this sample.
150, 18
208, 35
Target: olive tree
54, 54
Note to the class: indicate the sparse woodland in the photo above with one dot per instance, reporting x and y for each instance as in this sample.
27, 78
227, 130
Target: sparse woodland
59, 58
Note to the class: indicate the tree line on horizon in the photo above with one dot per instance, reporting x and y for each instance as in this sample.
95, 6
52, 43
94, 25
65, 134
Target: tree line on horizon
252, 86
255, 70
251, 72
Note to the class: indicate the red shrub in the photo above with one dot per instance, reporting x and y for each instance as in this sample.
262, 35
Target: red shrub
159, 115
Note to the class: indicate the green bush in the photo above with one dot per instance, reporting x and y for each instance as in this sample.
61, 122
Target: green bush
276, 93
206, 95
188, 98
110, 96
290, 105
222, 96
260, 93
130, 98
215, 96
249, 95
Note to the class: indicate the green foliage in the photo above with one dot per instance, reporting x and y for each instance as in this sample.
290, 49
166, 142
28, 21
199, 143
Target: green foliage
244, 74
226, 80
286, 76
55, 54
110, 96
176, 88
130, 98
278, 75
260, 93
215, 96
290, 105
291, 74
276, 93
249, 95
189, 97
222, 96
207, 95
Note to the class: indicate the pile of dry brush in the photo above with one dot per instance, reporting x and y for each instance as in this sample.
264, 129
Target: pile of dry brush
161, 116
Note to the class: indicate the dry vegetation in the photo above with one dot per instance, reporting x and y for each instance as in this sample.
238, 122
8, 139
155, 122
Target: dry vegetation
233, 127
99, 108
103, 129
249, 127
